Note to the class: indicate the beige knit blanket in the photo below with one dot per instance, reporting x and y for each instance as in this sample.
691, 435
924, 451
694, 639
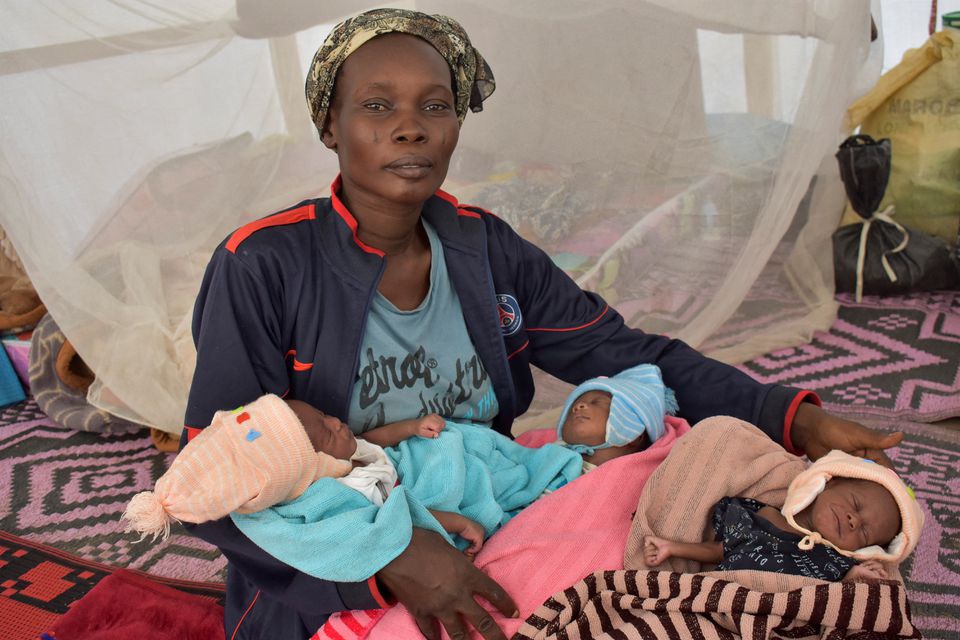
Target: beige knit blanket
720, 457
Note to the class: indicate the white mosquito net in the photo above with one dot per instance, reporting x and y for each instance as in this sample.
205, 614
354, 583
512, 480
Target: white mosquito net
674, 155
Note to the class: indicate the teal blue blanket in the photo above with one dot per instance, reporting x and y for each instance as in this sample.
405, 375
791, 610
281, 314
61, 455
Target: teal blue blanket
333, 532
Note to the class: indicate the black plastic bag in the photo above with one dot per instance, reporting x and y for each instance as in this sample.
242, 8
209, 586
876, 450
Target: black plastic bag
865, 171
926, 264
878, 256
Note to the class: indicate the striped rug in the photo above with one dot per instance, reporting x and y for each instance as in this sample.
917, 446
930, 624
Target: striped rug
890, 357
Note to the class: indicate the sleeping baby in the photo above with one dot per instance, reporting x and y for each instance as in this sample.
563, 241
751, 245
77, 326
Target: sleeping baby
268, 453
844, 518
605, 418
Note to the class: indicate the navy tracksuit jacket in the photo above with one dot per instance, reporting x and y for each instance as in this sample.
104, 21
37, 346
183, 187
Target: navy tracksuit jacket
282, 310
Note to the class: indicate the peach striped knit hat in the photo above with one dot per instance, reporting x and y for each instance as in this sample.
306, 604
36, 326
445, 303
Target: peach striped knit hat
810, 483
247, 460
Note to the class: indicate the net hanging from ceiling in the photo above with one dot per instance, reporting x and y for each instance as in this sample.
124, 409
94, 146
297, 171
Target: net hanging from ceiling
675, 156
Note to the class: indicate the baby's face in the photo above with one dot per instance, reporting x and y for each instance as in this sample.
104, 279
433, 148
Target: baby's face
327, 433
853, 514
586, 422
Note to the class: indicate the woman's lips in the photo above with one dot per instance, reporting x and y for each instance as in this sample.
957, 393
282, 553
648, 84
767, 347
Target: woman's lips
410, 167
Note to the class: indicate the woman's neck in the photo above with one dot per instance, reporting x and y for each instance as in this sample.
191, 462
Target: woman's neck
394, 228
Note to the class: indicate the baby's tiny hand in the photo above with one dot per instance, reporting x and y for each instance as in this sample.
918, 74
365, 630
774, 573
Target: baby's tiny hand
429, 426
472, 532
867, 570
655, 550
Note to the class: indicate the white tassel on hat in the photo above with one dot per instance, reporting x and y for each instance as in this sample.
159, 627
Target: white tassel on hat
145, 515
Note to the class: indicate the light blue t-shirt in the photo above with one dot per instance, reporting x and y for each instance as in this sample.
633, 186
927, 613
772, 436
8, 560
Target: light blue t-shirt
417, 362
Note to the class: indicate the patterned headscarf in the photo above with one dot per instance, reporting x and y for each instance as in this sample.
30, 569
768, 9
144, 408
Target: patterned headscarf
473, 76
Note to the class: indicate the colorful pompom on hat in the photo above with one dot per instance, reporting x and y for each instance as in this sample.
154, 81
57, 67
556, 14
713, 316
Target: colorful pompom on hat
247, 460
811, 482
638, 404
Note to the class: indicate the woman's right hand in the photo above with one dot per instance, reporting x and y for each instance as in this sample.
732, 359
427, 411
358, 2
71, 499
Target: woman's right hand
438, 583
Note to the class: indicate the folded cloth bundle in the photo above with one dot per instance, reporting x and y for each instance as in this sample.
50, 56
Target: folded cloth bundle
126, 605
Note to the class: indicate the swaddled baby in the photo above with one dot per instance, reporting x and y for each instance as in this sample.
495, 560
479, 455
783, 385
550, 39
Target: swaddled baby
269, 452
844, 518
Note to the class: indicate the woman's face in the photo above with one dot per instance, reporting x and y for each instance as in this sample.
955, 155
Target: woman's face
392, 122
853, 514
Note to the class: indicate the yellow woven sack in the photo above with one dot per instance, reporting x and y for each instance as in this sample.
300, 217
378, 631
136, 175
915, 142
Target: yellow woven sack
917, 105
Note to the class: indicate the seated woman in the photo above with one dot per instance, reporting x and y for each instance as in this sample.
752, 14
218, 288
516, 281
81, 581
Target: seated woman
389, 298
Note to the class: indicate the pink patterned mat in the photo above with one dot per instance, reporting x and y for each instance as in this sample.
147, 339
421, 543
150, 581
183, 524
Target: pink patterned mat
892, 357
67, 489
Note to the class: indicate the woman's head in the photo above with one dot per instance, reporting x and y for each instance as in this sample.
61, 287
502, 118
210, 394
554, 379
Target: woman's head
472, 79
392, 121
388, 91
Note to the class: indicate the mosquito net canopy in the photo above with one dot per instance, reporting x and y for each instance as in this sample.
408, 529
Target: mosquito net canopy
674, 155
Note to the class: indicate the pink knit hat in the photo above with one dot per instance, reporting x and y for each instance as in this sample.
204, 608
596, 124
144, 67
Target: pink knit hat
810, 483
247, 460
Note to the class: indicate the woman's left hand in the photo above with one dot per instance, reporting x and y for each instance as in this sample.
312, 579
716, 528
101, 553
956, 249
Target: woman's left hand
817, 433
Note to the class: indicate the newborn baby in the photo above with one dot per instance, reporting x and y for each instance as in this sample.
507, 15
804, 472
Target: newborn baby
269, 452
843, 518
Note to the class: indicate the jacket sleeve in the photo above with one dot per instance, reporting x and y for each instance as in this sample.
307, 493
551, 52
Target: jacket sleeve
239, 358
575, 335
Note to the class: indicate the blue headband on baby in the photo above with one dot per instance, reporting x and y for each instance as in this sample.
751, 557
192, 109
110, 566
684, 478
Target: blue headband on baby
639, 401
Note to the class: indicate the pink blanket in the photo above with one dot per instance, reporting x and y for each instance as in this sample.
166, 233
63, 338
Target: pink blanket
553, 543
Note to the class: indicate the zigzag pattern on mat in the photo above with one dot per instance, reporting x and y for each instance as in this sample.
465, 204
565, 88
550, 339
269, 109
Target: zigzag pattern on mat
886, 357
928, 461
68, 488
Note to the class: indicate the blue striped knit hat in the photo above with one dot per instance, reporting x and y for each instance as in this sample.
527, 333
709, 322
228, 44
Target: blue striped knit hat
639, 401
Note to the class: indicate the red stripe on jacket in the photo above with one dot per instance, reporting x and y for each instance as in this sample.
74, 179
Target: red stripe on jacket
342, 211
582, 326
306, 212
297, 365
456, 205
